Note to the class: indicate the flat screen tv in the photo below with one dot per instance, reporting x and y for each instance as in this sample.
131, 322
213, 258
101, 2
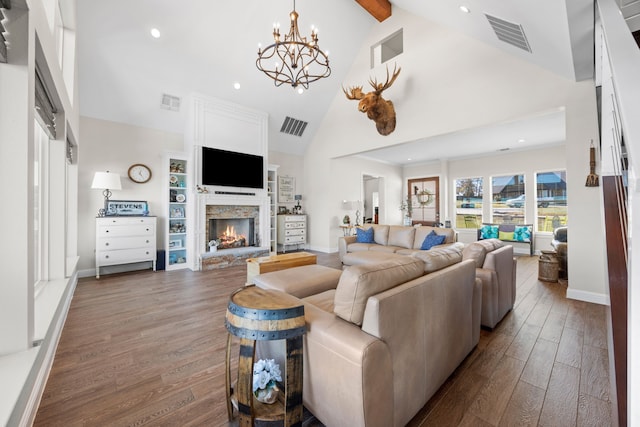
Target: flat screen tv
231, 169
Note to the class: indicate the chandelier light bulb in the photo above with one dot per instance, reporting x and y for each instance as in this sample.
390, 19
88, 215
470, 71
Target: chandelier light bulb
300, 90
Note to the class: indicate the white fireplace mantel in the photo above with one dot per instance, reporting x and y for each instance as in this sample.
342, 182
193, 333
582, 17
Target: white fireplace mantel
260, 199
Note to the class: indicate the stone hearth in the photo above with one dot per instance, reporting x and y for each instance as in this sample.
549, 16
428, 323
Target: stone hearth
229, 257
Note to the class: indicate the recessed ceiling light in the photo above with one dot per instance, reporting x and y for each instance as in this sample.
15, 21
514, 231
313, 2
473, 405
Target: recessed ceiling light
465, 9
521, 140
409, 159
155, 33
236, 85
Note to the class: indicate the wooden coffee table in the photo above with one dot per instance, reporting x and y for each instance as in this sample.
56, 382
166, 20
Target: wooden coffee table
270, 263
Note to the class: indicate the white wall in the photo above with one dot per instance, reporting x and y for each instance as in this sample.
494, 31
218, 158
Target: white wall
114, 147
449, 83
293, 166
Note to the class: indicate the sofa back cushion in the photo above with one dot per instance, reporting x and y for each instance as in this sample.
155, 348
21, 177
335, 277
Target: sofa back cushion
423, 231
401, 236
380, 233
359, 282
438, 258
477, 251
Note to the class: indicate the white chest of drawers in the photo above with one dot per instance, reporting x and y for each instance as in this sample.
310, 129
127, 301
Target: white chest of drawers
292, 230
125, 240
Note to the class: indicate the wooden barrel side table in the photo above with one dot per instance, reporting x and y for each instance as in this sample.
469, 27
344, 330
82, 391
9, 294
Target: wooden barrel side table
255, 314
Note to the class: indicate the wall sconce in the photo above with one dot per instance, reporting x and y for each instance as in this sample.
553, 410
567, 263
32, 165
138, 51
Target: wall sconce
106, 181
592, 178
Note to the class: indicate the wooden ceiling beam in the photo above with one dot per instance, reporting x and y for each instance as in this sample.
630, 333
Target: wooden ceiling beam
379, 9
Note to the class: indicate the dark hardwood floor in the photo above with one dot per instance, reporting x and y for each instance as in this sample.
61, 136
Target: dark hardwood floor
148, 349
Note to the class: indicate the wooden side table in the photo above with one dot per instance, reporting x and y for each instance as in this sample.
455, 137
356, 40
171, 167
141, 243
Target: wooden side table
255, 314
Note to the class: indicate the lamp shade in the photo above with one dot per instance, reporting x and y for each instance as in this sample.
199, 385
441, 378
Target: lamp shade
106, 181
297, 197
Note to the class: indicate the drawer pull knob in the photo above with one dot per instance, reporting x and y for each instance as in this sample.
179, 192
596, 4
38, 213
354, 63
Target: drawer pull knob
107, 231
106, 244
147, 241
107, 256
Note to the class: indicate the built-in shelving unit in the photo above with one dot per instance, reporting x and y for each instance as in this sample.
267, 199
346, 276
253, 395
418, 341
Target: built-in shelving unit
272, 191
177, 254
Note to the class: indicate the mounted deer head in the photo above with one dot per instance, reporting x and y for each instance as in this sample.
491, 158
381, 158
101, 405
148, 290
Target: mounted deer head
377, 108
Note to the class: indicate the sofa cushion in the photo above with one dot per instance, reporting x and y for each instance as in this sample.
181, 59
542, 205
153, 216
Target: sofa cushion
359, 282
432, 240
489, 231
364, 235
381, 234
505, 235
369, 257
439, 258
323, 300
401, 236
522, 233
388, 249
359, 247
300, 281
424, 230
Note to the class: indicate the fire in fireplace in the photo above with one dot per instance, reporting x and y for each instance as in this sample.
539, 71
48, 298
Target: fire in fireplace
232, 232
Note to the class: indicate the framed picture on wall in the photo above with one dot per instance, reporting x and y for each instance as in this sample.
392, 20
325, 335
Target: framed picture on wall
286, 189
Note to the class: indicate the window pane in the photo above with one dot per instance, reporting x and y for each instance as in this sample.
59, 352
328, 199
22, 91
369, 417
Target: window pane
551, 200
508, 202
468, 203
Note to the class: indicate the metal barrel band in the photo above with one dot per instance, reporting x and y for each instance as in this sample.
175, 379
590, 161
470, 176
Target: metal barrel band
253, 334
255, 314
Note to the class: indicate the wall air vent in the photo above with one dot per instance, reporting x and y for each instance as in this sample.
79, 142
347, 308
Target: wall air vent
170, 102
509, 32
293, 126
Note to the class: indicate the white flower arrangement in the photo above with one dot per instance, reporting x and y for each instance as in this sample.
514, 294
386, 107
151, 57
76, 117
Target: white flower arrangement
265, 374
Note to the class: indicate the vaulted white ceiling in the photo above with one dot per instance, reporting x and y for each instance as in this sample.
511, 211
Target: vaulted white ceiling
207, 46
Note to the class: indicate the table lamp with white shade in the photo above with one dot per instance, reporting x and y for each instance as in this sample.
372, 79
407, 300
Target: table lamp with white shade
106, 181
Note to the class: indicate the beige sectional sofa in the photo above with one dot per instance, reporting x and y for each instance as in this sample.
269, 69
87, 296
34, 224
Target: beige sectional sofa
393, 239
383, 337
496, 269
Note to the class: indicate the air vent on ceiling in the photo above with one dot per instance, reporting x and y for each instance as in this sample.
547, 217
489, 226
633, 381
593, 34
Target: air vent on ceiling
293, 126
509, 32
170, 102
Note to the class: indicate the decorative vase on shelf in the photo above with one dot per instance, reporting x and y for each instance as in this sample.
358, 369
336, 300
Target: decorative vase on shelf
267, 395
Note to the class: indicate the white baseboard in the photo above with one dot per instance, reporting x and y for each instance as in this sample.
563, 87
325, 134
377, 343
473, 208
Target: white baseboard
587, 296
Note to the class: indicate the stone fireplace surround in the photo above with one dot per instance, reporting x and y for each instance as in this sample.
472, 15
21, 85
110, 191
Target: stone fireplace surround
247, 205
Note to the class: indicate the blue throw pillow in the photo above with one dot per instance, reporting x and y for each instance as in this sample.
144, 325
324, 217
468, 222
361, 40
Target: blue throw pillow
432, 240
522, 233
489, 231
364, 236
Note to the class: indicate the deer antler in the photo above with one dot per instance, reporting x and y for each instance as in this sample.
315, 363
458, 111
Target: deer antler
355, 92
379, 87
